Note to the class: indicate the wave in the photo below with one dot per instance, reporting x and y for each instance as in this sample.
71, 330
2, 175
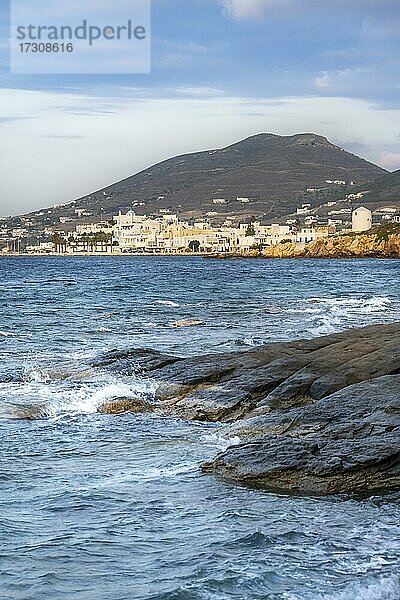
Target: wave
167, 303
7, 334
155, 473
247, 341
39, 397
352, 305
219, 441
323, 316
386, 588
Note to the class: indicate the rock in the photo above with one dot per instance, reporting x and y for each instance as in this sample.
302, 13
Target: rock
317, 416
130, 362
28, 411
347, 442
188, 323
122, 405
278, 375
371, 244
380, 242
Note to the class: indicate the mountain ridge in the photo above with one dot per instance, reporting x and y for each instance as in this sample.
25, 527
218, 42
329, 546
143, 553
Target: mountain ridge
264, 167
271, 170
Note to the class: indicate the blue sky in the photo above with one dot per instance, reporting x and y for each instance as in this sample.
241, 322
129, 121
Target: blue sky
221, 70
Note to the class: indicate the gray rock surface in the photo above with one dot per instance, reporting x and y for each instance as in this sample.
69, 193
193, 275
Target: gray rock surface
315, 416
348, 441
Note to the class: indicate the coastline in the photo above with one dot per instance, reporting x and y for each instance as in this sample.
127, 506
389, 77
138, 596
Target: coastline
226, 256
379, 243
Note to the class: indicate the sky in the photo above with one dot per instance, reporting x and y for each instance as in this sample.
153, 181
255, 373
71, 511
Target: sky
221, 70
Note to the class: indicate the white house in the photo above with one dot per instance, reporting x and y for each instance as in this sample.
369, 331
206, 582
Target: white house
306, 234
361, 219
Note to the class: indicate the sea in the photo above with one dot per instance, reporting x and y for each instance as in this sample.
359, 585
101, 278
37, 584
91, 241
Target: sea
115, 507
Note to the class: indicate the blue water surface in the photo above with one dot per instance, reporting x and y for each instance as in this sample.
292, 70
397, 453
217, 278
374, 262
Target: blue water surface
102, 507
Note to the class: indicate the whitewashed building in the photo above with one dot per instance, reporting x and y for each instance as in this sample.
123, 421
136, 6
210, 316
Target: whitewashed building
361, 219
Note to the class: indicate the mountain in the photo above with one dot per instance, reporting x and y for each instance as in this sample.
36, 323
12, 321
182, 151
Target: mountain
269, 169
273, 171
384, 189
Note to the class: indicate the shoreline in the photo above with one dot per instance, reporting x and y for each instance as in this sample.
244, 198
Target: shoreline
376, 244
227, 256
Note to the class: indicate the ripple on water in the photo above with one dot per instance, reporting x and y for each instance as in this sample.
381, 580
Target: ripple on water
114, 507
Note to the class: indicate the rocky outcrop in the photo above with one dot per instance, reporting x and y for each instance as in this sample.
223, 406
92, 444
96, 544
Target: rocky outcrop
383, 242
123, 405
346, 442
314, 416
343, 246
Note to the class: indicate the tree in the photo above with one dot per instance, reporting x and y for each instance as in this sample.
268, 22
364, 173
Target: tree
60, 243
105, 240
250, 231
194, 245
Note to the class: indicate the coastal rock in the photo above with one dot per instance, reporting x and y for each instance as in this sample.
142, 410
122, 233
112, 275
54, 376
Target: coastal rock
347, 442
317, 416
123, 405
368, 245
131, 362
188, 323
275, 376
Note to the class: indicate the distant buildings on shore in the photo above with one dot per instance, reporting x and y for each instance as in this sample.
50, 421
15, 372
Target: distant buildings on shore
134, 233
166, 233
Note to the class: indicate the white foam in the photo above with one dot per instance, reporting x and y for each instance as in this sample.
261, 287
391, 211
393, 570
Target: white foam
329, 315
383, 589
53, 398
15, 335
219, 441
351, 305
167, 303
35, 374
149, 474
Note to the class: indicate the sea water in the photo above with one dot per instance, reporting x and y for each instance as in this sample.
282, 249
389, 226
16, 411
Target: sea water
114, 507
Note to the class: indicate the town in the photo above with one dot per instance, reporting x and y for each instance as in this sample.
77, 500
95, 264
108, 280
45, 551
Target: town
165, 233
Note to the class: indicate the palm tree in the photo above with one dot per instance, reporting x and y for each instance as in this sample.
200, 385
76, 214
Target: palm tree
60, 243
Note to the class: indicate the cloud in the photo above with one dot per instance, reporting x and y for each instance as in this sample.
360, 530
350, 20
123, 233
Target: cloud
390, 160
344, 80
12, 119
253, 9
140, 131
250, 9
64, 137
333, 79
381, 28
199, 92
87, 111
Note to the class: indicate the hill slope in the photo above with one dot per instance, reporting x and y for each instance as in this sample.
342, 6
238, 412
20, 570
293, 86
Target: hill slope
270, 169
384, 189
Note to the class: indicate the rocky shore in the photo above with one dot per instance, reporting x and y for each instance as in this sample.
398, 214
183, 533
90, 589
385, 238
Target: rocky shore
319, 416
343, 246
382, 243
